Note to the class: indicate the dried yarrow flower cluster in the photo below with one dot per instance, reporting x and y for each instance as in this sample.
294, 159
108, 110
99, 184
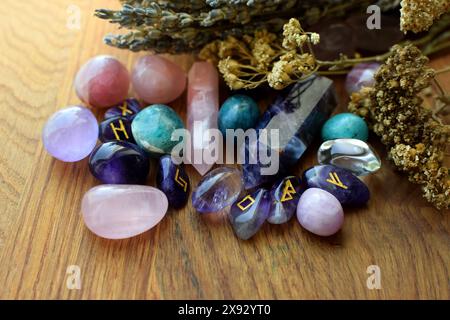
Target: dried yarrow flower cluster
419, 15
165, 26
393, 107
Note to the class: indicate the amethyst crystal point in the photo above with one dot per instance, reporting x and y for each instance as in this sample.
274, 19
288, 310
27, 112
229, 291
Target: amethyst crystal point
297, 116
217, 190
173, 181
119, 163
341, 183
284, 198
116, 129
128, 109
248, 214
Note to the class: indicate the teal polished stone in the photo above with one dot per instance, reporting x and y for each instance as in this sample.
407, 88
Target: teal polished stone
152, 129
345, 126
238, 112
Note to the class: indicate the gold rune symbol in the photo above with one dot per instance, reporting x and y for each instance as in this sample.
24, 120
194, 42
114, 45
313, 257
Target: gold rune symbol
288, 191
334, 179
180, 180
125, 109
250, 202
118, 129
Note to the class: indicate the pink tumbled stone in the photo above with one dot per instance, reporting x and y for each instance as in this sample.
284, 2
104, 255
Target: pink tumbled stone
319, 212
102, 82
202, 113
123, 211
157, 80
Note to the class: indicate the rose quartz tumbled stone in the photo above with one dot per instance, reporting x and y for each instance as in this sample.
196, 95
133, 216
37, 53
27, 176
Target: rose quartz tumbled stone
102, 82
157, 80
123, 211
319, 212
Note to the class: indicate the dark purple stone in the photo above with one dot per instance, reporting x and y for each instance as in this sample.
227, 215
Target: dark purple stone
336, 38
284, 197
248, 214
119, 163
116, 129
173, 181
298, 114
341, 183
128, 109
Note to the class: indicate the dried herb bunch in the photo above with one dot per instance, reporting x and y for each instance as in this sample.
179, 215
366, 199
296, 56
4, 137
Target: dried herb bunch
419, 15
253, 60
394, 109
186, 26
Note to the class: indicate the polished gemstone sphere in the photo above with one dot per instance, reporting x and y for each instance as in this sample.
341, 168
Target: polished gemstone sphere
70, 134
102, 82
238, 112
345, 126
158, 80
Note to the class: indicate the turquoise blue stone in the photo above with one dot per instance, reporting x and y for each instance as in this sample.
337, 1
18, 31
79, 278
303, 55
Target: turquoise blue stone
152, 129
345, 126
238, 112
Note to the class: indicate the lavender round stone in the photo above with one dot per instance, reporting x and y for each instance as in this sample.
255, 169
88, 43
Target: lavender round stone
116, 129
284, 197
341, 183
173, 181
128, 109
119, 163
248, 214
362, 75
70, 134
320, 212
217, 190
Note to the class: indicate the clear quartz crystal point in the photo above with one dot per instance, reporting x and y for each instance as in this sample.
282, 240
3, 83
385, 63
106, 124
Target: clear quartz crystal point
351, 154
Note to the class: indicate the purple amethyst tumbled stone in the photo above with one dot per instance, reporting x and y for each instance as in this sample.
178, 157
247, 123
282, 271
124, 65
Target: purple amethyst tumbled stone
128, 109
173, 181
362, 75
217, 190
116, 129
341, 183
118, 162
284, 197
249, 213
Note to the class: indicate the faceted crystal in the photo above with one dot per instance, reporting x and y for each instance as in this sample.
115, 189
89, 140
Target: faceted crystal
119, 163
284, 198
116, 129
173, 181
128, 109
351, 154
102, 82
248, 213
217, 190
202, 113
157, 80
70, 134
297, 117
122, 211
319, 212
341, 183
362, 75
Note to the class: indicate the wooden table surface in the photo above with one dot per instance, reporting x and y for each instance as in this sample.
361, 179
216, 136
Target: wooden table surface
185, 256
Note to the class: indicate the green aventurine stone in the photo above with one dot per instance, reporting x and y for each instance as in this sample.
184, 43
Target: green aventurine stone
152, 129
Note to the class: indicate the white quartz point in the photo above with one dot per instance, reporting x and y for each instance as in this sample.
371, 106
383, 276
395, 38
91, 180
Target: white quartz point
202, 114
123, 211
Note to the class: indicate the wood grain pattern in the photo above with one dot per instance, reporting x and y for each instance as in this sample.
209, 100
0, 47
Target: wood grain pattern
42, 233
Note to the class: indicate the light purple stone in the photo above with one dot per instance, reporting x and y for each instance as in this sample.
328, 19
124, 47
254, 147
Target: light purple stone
70, 134
362, 75
319, 212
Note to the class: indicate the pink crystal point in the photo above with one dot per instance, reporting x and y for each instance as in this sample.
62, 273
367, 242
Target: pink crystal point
202, 112
102, 82
123, 211
157, 80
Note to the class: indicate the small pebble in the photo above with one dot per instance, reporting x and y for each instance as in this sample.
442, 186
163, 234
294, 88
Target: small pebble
102, 82
116, 129
238, 112
284, 197
173, 181
345, 125
362, 75
320, 212
128, 109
